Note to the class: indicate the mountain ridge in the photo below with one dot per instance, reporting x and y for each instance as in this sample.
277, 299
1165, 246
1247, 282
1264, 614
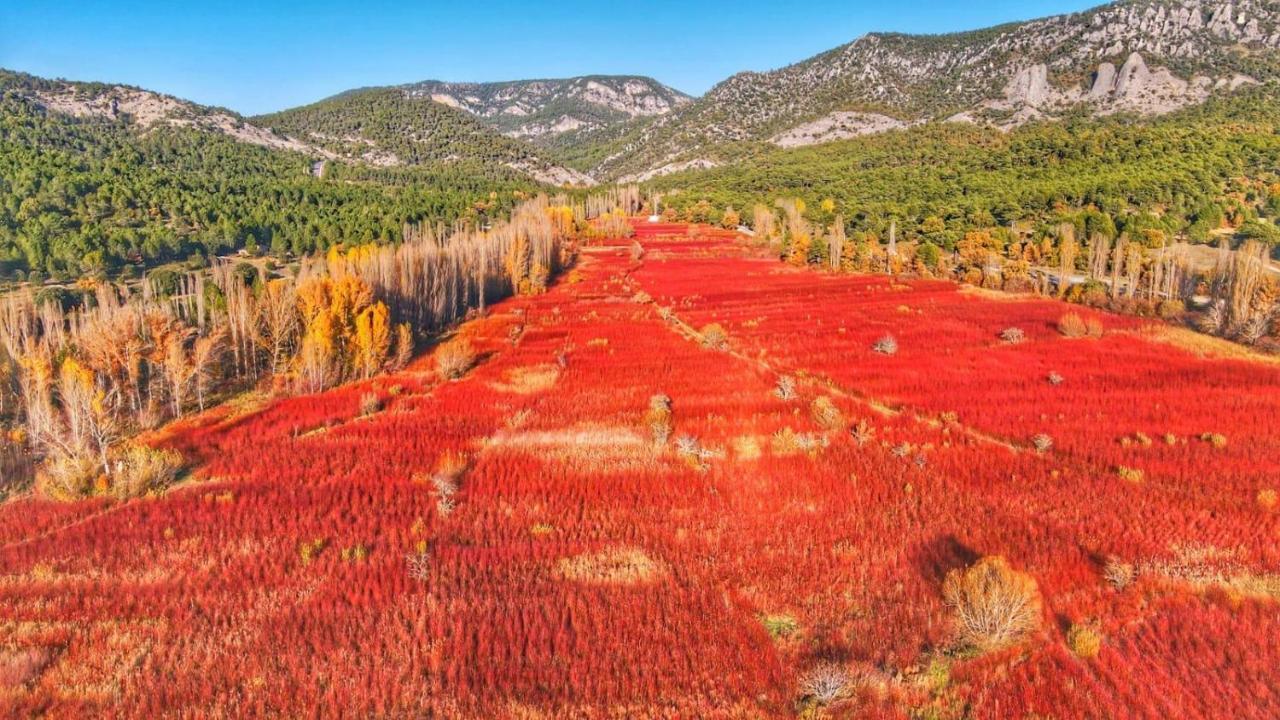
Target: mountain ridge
1006, 75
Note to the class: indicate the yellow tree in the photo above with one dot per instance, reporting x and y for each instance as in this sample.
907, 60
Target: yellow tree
315, 364
372, 340
518, 262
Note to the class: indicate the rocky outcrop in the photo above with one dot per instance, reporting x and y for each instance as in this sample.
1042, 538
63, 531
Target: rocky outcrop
544, 109
669, 169
146, 110
836, 126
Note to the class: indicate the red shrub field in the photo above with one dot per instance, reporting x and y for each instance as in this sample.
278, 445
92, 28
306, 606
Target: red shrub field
688, 485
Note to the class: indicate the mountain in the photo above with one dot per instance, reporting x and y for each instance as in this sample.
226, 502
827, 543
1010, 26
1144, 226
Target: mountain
1147, 57
543, 110
389, 127
379, 128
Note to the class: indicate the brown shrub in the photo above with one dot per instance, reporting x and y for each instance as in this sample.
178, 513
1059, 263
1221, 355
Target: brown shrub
455, 358
714, 336
1217, 440
1134, 476
370, 403
67, 477
1013, 335
1119, 574
826, 684
141, 470
1267, 499
1072, 325
825, 413
994, 604
1170, 309
1094, 327
1084, 640
659, 418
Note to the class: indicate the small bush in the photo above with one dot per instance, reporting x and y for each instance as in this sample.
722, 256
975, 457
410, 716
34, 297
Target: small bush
1171, 309
863, 432
1072, 325
1042, 442
455, 358
1215, 439
995, 605
825, 414
714, 336
418, 566
141, 470
67, 477
1118, 573
659, 419
1054, 378
308, 551
370, 403
825, 684
1130, 475
1013, 335
780, 626
887, 345
1267, 499
786, 388
1085, 641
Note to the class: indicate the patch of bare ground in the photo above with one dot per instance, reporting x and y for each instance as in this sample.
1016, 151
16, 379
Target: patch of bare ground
997, 295
22, 666
600, 447
528, 380
613, 566
1201, 568
1201, 345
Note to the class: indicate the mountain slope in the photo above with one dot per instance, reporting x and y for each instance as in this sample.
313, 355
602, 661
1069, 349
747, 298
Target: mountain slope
1143, 56
387, 127
103, 179
1187, 170
373, 127
544, 110
143, 110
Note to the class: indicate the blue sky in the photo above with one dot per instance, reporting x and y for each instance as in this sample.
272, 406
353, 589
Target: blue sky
256, 57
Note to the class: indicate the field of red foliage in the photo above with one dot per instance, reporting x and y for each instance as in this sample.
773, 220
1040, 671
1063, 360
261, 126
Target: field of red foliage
802, 515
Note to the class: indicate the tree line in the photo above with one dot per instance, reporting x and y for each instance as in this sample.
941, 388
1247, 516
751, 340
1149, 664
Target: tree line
76, 384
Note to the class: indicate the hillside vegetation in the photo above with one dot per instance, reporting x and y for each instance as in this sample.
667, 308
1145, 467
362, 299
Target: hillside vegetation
97, 195
387, 127
1177, 171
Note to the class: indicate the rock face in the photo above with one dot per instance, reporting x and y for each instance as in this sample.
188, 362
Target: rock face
146, 109
1145, 56
836, 126
541, 110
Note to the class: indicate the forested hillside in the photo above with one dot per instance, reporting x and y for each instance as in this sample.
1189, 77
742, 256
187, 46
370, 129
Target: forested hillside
1186, 173
386, 127
101, 195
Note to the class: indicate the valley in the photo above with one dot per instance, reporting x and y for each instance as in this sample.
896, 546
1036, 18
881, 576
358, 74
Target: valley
934, 376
